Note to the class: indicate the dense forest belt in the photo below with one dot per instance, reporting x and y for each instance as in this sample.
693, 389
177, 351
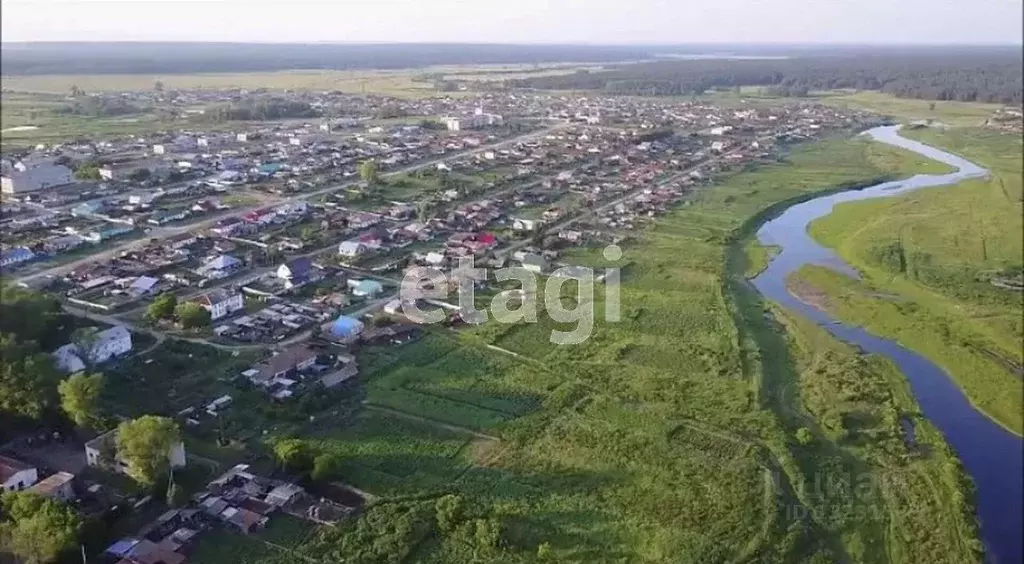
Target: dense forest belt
983, 76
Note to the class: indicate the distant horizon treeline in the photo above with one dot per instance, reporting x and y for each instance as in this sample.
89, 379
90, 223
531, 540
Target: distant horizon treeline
181, 58
993, 76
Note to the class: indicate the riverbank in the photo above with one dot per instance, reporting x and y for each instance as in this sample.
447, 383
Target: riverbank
990, 454
843, 413
931, 254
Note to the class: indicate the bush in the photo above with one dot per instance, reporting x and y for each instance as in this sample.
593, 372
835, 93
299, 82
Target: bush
804, 436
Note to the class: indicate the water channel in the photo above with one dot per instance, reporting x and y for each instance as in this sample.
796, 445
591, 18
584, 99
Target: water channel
990, 454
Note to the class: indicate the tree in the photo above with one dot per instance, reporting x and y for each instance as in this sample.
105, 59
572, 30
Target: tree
308, 233
79, 398
192, 315
804, 436
75, 91
326, 467
36, 529
424, 208
176, 495
162, 307
293, 455
140, 175
145, 446
486, 537
158, 86
450, 510
544, 552
88, 173
369, 171
28, 380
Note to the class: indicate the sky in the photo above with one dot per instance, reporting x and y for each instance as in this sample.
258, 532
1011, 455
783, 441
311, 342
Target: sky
518, 21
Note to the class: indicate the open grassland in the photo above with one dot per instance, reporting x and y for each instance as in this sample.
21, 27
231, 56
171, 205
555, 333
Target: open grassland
33, 118
933, 264
669, 436
398, 82
948, 112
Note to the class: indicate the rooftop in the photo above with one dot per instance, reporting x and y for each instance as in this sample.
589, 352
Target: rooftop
11, 466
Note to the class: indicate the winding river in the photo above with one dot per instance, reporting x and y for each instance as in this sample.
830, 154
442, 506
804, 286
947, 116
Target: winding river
990, 454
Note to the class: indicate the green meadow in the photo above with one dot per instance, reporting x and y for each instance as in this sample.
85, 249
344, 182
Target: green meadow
937, 264
704, 426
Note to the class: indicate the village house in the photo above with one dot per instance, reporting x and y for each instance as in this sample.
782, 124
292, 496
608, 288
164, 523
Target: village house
58, 486
296, 272
24, 178
283, 364
17, 255
535, 263
523, 224
351, 249
344, 329
220, 303
97, 347
219, 267
99, 450
365, 288
345, 368
16, 475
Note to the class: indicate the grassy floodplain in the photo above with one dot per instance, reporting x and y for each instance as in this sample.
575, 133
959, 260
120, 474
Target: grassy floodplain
671, 436
934, 262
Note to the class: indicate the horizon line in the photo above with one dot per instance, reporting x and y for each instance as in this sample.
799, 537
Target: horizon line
518, 43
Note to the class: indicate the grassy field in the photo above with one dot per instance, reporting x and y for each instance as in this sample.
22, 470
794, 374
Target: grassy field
398, 82
666, 437
939, 298
952, 113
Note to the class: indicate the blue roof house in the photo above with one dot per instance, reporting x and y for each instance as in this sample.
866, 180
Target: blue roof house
15, 256
345, 329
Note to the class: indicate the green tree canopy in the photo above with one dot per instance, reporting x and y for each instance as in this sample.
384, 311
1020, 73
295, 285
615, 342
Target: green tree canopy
450, 511
36, 529
326, 467
28, 380
369, 171
293, 455
804, 436
79, 398
192, 315
162, 307
145, 445
88, 173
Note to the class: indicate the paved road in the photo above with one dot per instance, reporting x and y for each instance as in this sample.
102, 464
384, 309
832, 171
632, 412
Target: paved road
165, 232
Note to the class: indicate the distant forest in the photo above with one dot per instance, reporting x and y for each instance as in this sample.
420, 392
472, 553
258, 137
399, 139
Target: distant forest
973, 75
985, 74
171, 58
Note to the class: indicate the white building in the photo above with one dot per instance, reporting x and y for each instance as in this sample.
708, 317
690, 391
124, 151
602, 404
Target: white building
16, 475
221, 303
94, 453
24, 179
109, 343
97, 348
351, 249
66, 359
